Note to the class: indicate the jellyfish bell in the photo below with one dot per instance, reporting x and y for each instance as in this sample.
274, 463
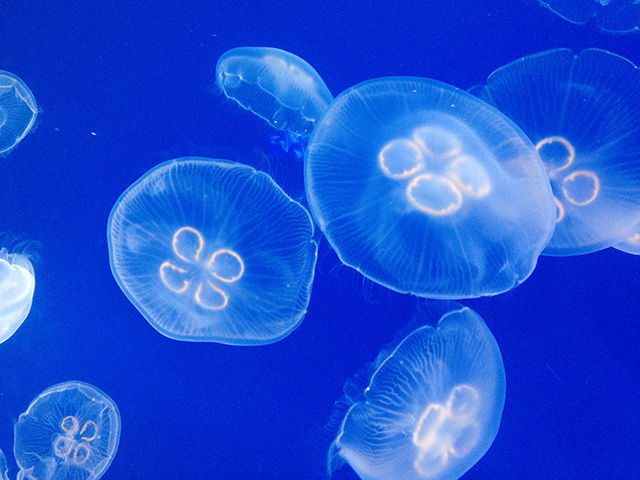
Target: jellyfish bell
610, 16
585, 124
18, 111
276, 85
426, 190
17, 285
213, 251
71, 430
431, 408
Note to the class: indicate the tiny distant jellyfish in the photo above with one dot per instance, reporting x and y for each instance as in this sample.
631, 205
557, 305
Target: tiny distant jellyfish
18, 111
582, 112
290, 144
610, 16
213, 251
17, 284
276, 85
432, 407
70, 431
426, 190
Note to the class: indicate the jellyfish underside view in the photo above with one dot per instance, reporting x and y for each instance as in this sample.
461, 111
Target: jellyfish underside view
17, 284
18, 111
420, 193
587, 132
432, 408
274, 84
71, 430
214, 251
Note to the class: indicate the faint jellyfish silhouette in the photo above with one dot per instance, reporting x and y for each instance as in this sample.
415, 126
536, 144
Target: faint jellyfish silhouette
290, 145
70, 431
18, 111
585, 122
274, 84
432, 407
4, 471
610, 16
424, 189
17, 284
213, 251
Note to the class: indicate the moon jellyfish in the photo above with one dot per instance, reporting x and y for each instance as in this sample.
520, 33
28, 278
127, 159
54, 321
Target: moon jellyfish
425, 189
213, 251
4, 471
276, 85
432, 407
583, 114
70, 431
630, 245
611, 16
17, 284
18, 111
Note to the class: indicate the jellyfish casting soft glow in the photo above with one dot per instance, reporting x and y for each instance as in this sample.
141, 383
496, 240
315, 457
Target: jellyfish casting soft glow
432, 408
18, 111
17, 284
213, 251
274, 84
582, 111
70, 431
425, 189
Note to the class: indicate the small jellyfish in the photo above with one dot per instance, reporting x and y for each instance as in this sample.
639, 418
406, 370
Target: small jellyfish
213, 251
582, 112
425, 189
70, 431
610, 16
432, 407
17, 284
274, 84
18, 111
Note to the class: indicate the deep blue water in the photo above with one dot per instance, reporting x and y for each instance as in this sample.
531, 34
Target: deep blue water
123, 88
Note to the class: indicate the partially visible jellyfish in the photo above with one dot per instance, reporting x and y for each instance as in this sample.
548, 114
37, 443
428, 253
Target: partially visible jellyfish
18, 111
17, 284
291, 144
611, 16
431, 409
274, 84
4, 471
213, 251
70, 431
582, 111
427, 190
630, 245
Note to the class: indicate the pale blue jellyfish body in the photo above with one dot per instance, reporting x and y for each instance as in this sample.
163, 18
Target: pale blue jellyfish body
70, 431
431, 409
213, 251
582, 111
276, 85
424, 189
612, 16
18, 111
17, 285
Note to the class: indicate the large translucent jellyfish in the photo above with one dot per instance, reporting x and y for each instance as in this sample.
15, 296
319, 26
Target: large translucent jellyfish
70, 431
18, 111
432, 408
213, 251
425, 189
17, 284
583, 114
612, 16
274, 84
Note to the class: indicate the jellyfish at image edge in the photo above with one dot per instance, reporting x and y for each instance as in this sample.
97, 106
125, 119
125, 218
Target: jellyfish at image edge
213, 251
432, 407
582, 111
610, 16
17, 284
70, 431
425, 189
274, 84
4, 471
630, 245
18, 111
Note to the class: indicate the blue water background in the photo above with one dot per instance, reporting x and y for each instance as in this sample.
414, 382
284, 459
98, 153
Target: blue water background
124, 86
